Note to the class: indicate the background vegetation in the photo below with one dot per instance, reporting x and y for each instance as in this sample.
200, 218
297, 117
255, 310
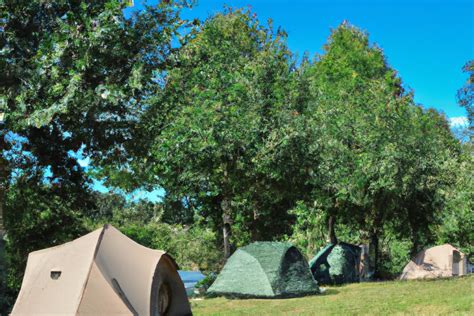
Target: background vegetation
247, 141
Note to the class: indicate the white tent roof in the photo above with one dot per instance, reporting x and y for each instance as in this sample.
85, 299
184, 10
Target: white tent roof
101, 273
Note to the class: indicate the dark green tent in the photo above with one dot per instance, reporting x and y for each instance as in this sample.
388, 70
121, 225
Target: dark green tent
336, 264
265, 270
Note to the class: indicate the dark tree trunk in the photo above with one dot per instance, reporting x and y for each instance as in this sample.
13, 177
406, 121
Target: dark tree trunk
331, 230
254, 234
374, 254
414, 248
414, 225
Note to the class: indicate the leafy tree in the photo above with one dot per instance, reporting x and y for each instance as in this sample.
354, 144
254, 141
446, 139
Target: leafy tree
466, 96
353, 92
222, 100
38, 215
456, 222
380, 158
74, 76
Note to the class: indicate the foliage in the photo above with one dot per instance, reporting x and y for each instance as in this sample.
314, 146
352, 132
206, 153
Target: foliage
193, 248
466, 96
38, 216
456, 223
309, 229
74, 74
206, 282
379, 158
242, 138
221, 101
394, 255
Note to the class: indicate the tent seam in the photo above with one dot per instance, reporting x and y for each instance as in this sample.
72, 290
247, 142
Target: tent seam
99, 240
263, 271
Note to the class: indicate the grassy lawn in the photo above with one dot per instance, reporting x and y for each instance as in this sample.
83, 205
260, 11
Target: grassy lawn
448, 296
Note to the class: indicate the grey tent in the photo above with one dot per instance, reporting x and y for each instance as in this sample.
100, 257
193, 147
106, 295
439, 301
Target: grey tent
336, 264
436, 262
101, 273
266, 270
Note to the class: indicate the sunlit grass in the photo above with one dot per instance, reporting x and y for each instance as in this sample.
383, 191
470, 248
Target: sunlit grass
431, 297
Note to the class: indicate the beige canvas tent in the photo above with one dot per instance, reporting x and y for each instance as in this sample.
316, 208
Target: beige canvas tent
101, 273
436, 262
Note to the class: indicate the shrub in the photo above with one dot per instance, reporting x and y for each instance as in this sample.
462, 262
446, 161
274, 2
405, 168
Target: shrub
193, 248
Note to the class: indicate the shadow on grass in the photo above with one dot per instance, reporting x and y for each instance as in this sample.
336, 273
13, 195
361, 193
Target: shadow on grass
325, 292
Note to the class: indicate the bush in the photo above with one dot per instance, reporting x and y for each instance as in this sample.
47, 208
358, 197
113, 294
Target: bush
193, 248
309, 229
206, 282
395, 254
36, 216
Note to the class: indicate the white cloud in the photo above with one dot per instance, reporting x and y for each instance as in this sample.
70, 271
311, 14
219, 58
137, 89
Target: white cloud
458, 121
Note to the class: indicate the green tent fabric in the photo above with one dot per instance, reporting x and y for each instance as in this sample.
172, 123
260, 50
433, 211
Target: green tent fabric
265, 270
336, 264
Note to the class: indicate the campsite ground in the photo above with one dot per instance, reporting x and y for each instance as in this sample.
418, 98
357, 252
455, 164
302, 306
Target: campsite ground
448, 296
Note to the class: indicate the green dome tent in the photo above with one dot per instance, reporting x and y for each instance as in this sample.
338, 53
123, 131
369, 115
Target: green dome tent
336, 264
265, 270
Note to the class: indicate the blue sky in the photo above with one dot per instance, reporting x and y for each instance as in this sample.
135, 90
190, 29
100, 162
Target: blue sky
426, 41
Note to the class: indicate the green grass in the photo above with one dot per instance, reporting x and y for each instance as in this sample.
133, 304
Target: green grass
432, 297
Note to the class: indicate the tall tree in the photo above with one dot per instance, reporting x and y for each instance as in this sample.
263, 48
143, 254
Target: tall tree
222, 100
351, 87
466, 97
74, 76
381, 156
77, 72
456, 222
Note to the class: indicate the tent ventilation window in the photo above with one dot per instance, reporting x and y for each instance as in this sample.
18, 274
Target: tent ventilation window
55, 274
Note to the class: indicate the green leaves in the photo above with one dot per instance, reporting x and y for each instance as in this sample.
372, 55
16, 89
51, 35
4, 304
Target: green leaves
224, 96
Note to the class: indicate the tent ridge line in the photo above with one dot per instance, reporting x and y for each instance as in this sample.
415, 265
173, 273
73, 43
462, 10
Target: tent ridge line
96, 250
262, 269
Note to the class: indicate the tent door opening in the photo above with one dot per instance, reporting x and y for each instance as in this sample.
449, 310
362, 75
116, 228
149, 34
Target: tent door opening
456, 262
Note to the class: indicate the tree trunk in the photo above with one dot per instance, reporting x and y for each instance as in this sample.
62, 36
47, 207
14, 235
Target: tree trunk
414, 248
227, 221
414, 236
331, 231
255, 234
374, 254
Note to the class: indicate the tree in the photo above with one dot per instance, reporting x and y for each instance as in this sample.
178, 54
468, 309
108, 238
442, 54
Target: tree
75, 74
222, 100
352, 87
455, 224
466, 96
381, 157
